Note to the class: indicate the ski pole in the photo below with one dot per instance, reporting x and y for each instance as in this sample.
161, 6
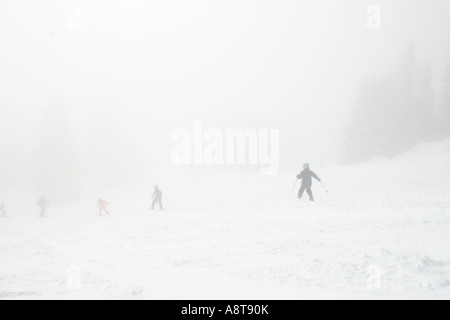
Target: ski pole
324, 187
293, 188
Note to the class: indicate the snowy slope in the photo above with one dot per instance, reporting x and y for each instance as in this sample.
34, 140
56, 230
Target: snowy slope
383, 231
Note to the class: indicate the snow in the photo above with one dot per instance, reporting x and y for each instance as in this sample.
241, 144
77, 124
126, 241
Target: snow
382, 232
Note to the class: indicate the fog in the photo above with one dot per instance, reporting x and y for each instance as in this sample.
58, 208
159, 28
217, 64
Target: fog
92, 91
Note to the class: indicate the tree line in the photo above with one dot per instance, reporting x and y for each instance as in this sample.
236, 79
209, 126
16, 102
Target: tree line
397, 111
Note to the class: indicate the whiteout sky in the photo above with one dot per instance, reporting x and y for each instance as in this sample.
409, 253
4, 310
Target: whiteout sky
144, 69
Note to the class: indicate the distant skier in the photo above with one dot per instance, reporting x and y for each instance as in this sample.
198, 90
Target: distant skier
3, 210
43, 203
306, 176
157, 198
102, 207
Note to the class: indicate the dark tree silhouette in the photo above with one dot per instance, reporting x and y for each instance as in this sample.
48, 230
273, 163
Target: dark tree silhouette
393, 113
405, 106
424, 122
445, 110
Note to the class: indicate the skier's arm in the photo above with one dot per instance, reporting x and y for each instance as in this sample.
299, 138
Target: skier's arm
300, 176
315, 176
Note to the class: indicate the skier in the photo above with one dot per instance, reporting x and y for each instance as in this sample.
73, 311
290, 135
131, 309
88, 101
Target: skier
102, 207
3, 210
157, 198
306, 176
43, 203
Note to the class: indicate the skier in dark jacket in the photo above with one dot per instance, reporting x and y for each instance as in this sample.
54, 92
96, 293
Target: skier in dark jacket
157, 198
306, 176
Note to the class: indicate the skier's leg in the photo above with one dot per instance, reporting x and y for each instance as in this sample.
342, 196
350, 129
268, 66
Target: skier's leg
161, 204
153, 204
311, 196
301, 191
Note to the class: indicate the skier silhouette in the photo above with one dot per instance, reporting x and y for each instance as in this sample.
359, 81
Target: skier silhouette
157, 198
43, 203
3, 210
102, 207
306, 176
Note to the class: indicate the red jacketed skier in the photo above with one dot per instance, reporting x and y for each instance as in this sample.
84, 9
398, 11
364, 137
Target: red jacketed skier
102, 207
306, 176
